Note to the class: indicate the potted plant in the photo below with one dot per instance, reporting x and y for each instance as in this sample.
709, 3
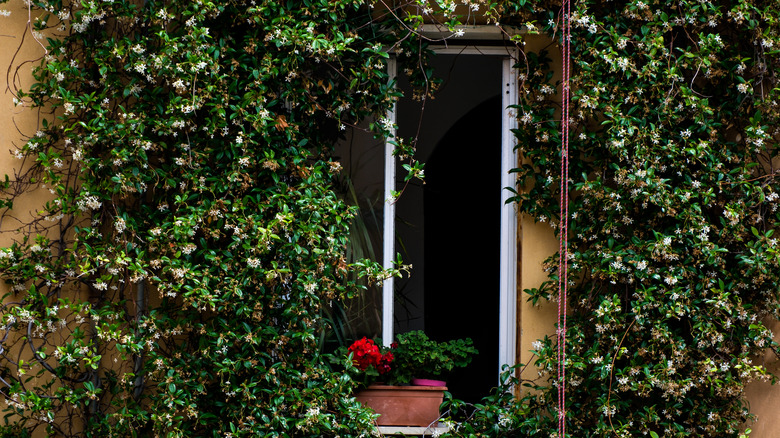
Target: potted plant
423, 361
414, 356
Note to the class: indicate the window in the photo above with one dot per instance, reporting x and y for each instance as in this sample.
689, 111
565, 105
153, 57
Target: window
458, 216
467, 144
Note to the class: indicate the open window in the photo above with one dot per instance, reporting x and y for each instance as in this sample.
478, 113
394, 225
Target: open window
456, 229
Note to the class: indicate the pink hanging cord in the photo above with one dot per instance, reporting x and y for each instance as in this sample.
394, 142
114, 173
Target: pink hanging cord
563, 270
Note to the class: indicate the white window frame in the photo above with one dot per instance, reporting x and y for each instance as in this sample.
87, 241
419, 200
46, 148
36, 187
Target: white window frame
507, 321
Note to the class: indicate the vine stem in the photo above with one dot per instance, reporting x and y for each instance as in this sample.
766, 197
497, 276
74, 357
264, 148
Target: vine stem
612, 370
29, 25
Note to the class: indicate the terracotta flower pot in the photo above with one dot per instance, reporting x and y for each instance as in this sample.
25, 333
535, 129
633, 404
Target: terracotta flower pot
403, 405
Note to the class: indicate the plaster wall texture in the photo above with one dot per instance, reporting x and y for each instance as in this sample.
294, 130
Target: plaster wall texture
764, 397
536, 241
19, 51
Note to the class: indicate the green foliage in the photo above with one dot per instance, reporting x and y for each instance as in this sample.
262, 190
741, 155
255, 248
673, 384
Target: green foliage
673, 264
417, 356
413, 355
498, 415
175, 283
174, 286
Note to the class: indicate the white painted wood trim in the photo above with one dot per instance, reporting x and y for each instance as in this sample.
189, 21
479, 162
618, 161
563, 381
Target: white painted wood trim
388, 239
474, 50
412, 430
469, 32
507, 335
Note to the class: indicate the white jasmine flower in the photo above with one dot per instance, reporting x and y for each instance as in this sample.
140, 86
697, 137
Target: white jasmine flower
387, 124
120, 225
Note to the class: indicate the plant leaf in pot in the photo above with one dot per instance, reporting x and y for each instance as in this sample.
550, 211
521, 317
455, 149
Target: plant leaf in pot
418, 357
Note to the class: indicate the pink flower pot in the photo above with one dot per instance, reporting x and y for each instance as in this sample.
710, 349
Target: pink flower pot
428, 382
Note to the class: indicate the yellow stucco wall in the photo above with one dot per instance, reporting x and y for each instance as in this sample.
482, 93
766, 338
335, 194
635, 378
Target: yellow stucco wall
764, 398
537, 243
19, 52
12, 28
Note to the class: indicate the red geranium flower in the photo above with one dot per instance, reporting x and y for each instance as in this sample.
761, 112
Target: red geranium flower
365, 353
384, 363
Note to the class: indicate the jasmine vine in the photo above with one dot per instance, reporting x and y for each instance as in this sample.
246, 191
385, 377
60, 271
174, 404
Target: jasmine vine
173, 284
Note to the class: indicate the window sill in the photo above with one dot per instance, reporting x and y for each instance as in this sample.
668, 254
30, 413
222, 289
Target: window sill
412, 430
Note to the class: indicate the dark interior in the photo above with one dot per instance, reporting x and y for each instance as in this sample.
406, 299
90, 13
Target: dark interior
462, 232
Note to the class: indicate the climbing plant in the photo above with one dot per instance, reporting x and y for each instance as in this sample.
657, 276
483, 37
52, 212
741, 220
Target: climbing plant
673, 258
174, 283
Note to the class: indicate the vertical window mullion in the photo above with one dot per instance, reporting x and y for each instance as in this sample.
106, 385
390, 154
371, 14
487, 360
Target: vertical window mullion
388, 239
507, 320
